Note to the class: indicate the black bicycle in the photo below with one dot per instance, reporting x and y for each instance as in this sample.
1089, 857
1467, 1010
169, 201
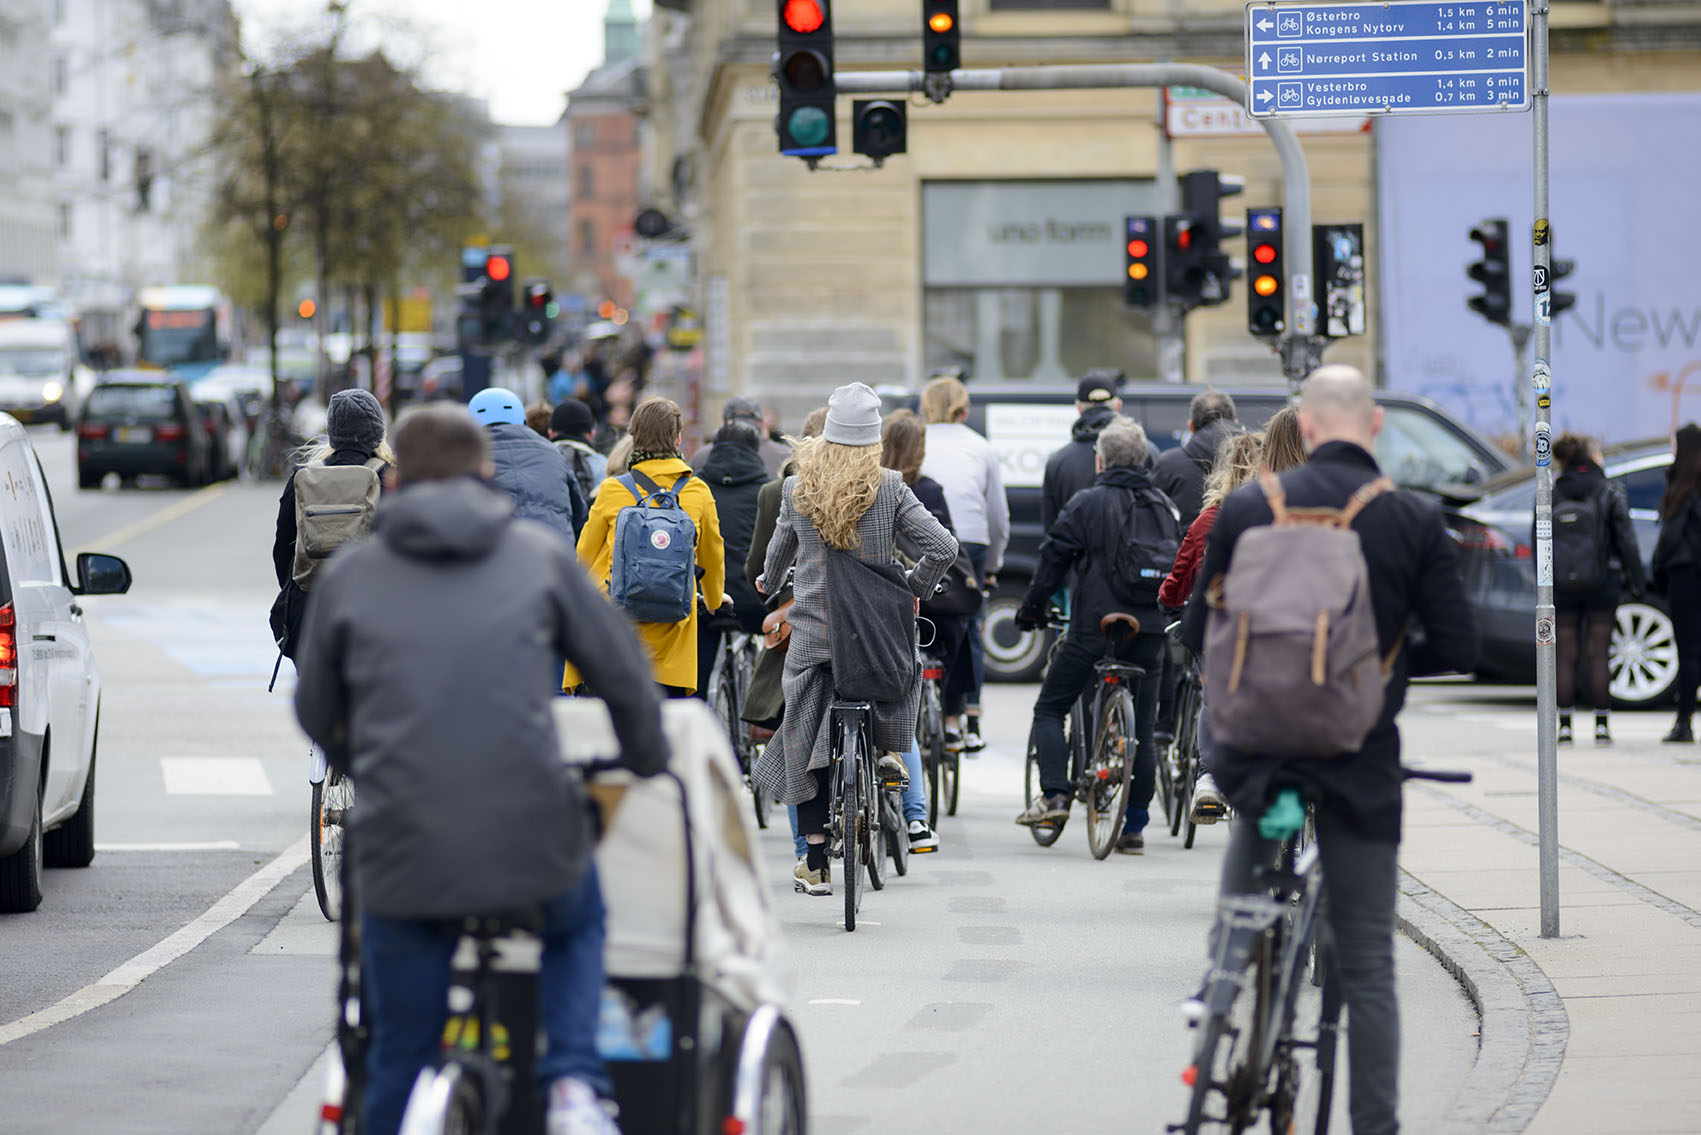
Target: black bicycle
1102, 765
1178, 766
729, 683
940, 765
1266, 945
857, 835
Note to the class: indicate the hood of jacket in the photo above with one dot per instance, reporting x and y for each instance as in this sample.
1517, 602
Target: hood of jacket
1091, 423
1579, 480
1125, 477
734, 465
1203, 445
460, 519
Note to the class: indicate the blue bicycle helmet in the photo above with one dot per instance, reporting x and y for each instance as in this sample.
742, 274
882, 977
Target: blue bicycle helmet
495, 405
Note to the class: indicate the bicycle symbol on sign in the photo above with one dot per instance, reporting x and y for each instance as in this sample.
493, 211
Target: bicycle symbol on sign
1288, 24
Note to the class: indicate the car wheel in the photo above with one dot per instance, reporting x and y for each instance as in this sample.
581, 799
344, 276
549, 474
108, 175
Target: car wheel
88, 479
20, 872
73, 843
1012, 654
1643, 656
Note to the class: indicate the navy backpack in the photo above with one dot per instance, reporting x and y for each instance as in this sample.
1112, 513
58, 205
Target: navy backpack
653, 576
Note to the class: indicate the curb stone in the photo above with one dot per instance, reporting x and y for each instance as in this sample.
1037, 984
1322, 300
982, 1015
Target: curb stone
1524, 1025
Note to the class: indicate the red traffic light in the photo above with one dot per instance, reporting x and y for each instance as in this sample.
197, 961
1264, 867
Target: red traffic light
1138, 249
1265, 254
1184, 237
498, 268
803, 16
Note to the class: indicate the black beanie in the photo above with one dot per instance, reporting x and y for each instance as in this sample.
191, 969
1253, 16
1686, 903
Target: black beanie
572, 418
354, 420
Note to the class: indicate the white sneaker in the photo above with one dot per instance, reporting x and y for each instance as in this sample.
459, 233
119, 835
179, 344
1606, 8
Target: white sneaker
1208, 803
922, 838
574, 1109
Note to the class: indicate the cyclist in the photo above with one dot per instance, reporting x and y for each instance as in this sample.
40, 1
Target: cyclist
1181, 471
527, 467
735, 474
839, 498
1414, 574
423, 675
1072, 468
1096, 527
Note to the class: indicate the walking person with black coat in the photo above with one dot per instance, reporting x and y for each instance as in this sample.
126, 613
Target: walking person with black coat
1073, 467
1677, 570
1595, 560
1181, 472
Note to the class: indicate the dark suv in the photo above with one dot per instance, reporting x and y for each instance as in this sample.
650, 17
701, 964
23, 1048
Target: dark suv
1421, 446
138, 423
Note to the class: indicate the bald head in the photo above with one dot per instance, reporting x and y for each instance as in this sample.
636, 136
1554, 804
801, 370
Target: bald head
1337, 404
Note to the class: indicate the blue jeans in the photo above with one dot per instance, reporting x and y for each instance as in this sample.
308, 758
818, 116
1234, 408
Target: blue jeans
405, 965
798, 843
915, 802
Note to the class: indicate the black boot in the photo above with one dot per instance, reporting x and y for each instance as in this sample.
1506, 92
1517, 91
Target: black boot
1603, 735
1565, 729
1680, 732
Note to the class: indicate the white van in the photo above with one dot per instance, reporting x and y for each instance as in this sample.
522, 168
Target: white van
42, 376
49, 684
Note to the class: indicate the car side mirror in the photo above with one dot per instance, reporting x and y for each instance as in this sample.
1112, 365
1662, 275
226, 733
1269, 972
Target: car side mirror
99, 574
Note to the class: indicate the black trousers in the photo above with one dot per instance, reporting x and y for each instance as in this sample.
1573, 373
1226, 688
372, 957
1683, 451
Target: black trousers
1683, 595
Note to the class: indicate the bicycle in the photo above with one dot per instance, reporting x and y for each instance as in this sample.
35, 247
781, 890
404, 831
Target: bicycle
940, 765
729, 683
1178, 767
332, 801
1248, 1048
856, 833
1102, 766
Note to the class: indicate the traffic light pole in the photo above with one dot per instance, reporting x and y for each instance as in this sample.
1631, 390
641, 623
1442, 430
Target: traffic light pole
1301, 348
1167, 318
1541, 384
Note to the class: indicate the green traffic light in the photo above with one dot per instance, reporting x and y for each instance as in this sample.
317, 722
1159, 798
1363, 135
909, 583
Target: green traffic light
944, 56
552, 309
809, 126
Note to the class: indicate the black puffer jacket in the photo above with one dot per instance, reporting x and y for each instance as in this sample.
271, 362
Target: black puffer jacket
1073, 467
735, 476
1181, 472
1585, 479
1081, 540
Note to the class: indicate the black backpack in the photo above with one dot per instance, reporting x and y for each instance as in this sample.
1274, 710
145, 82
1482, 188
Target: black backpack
1579, 542
1143, 549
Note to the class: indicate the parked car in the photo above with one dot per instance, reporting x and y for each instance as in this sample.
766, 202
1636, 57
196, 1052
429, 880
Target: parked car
49, 683
1421, 446
41, 375
1494, 533
139, 423
227, 431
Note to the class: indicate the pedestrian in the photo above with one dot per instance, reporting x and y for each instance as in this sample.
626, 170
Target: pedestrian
1091, 542
528, 468
1677, 570
966, 466
1181, 472
735, 476
1413, 573
423, 678
1284, 448
774, 450
657, 469
841, 503
1072, 468
571, 427
303, 540
1596, 559
537, 418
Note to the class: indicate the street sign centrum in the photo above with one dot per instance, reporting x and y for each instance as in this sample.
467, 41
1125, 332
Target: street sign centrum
1305, 59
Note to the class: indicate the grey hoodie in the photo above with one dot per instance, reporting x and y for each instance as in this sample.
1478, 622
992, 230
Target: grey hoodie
428, 663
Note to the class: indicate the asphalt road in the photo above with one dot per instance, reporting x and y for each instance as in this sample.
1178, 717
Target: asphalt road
1000, 987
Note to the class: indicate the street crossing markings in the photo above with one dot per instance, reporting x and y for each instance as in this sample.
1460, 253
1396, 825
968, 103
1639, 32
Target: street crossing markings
215, 776
126, 977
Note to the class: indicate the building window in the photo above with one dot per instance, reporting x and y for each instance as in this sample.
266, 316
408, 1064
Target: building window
61, 146
587, 133
144, 180
61, 75
103, 154
65, 220
587, 239
587, 183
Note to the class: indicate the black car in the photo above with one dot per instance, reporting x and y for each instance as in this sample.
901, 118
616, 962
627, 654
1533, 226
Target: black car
1421, 446
1494, 533
142, 423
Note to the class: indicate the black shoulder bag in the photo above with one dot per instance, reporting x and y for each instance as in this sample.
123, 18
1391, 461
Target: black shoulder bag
870, 629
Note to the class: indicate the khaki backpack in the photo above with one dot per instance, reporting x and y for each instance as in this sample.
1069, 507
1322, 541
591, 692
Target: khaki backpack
333, 505
1292, 667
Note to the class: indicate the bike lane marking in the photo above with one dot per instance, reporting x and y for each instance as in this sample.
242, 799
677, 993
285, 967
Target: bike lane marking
159, 519
128, 975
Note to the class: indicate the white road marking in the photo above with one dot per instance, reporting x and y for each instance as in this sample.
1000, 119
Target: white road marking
834, 1001
132, 973
215, 776
209, 845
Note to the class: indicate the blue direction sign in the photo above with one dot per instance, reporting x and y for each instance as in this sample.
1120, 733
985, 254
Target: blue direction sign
1404, 56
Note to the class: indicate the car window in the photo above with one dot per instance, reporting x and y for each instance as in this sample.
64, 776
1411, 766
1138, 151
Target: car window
1419, 451
1644, 487
134, 401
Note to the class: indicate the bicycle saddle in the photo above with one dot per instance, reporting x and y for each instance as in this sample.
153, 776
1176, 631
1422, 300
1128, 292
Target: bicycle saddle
1119, 624
528, 920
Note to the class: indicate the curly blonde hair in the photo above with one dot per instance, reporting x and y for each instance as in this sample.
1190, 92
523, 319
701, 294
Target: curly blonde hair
836, 484
1238, 461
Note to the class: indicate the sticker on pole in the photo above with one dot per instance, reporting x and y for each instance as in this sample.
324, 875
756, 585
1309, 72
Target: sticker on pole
1540, 277
1544, 308
1544, 568
1541, 378
1544, 625
1541, 232
1544, 444
1544, 529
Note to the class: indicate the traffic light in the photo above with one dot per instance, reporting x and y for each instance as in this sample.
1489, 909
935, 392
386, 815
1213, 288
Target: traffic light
879, 128
941, 50
803, 68
538, 313
1337, 265
1140, 282
496, 296
1200, 272
1493, 270
1557, 270
1266, 301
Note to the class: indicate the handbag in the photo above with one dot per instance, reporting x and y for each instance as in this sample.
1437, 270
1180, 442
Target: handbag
870, 629
776, 629
958, 594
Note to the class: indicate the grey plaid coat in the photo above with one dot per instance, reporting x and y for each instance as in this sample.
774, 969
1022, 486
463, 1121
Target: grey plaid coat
804, 741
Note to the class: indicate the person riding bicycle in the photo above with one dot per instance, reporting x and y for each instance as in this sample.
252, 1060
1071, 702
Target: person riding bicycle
735, 475
840, 501
424, 676
527, 467
1099, 524
1413, 574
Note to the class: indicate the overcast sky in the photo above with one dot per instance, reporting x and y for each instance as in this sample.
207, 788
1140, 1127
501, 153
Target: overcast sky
522, 55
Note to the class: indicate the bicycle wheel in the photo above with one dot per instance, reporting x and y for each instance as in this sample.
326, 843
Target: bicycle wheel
449, 1102
931, 737
1173, 765
850, 812
897, 834
1225, 1064
1044, 834
1110, 773
950, 780
1166, 780
333, 798
874, 828
758, 795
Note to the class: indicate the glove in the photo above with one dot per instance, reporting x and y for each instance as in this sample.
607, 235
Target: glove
1283, 818
1029, 620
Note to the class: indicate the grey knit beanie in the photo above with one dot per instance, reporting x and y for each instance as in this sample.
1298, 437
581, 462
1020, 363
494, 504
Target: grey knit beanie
354, 420
853, 416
